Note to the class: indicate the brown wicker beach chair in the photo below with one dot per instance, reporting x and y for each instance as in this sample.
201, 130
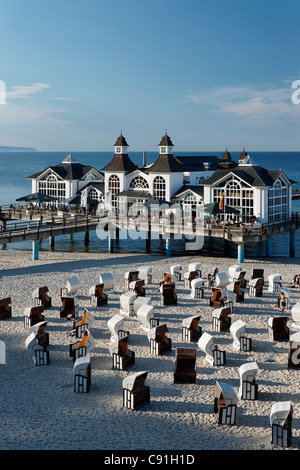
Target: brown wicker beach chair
185, 365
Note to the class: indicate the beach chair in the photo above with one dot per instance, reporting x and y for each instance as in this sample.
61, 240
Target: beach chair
241, 341
188, 277
168, 295
130, 276
122, 357
281, 417
197, 288
258, 273
83, 347
277, 328
176, 272
225, 404
98, 296
145, 315
108, 282
71, 287
159, 342
138, 287
126, 303
195, 267
294, 351
248, 387
80, 326
221, 280
216, 300
37, 344
275, 282
190, 329
213, 355
236, 293
220, 319
69, 308
285, 297
234, 272
256, 287
5, 308
41, 297
185, 365
135, 393
145, 274
211, 277
33, 315
82, 374
41, 335
295, 314
116, 327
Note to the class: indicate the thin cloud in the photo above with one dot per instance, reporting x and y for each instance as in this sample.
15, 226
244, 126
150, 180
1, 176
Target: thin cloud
22, 91
64, 99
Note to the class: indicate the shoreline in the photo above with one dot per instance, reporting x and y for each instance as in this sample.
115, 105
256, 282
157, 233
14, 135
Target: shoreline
42, 398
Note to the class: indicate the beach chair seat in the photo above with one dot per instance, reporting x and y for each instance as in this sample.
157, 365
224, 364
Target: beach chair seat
71, 287
41, 297
221, 319
294, 351
82, 347
108, 282
130, 276
168, 295
188, 277
225, 404
69, 308
197, 288
41, 335
195, 267
236, 292
135, 393
37, 345
275, 282
159, 342
248, 387
82, 372
122, 357
277, 328
83, 324
256, 287
211, 277
145, 274
33, 315
258, 273
221, 280
5, 308
213, 355
185, 365
236, 273
176, 272
145, 315
216, 300
138, 287
241, 341
281, 417
98, 296
116, 327
190, 329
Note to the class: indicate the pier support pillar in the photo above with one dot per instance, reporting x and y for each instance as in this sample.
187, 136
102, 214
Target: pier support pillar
292, 243
269, 248
111, 242
241, 252
51, 242
148, 241
168, 246
35, 250
86, 238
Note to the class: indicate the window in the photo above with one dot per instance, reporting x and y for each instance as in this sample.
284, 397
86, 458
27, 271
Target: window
118, 149
95, 195
190, 205
139, 183
114, 187
237, 197
278, 207
52, 187
163, 150
159, 188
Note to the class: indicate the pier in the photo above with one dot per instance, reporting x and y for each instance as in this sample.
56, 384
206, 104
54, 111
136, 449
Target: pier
38, 225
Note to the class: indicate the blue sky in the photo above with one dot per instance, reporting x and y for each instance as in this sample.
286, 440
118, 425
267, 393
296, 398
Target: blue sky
215, 74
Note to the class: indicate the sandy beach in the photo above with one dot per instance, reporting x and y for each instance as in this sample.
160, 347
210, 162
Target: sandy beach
41, 411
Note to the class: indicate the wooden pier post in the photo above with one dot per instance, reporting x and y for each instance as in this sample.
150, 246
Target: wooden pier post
51, 242
111, 242
148, 241
269, 248
86, 237
35, 250
292, 243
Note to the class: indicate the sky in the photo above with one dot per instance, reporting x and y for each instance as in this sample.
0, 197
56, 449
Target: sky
213, 74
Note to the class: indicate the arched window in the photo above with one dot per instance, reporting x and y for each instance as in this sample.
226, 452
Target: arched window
278, 202
114, 184
139, 183
51, 186
94, 194
159, 188
189, 205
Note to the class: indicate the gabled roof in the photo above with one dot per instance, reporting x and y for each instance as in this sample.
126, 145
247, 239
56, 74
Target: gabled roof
253, 175
196, 163
166, 163
121, 162
121, 142
67, 171
95, 184
166, 141
199, 190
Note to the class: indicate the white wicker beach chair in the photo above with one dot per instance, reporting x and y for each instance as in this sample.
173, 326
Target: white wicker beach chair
135, 393
145, 314
213, 356
221, 319
248, 388
275, 282
126, 303
295, 314
281, 421
108, 282
190, 329
83, 347
38, 352
225, 404
197, 288
82, 374
145, 274
71, 287
241, 341
176, 272
116, 327
83, 324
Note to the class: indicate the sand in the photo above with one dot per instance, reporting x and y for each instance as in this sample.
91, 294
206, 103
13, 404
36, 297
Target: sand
41, 411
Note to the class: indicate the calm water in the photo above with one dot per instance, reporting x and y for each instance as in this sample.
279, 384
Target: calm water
15, 168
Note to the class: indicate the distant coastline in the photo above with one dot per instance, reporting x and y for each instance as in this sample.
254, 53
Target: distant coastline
17, 149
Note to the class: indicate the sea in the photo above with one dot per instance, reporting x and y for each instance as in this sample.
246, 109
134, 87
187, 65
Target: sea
16, 167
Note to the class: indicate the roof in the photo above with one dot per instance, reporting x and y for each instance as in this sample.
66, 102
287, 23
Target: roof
121, 162
166, 163
67, 171
134, 194
199, 190
166, 141
95, 184
121, 142
196, 163
253, 175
